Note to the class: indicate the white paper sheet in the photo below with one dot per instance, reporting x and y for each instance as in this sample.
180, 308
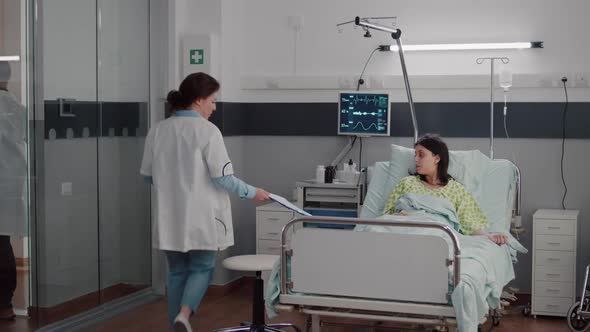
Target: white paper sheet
288, 205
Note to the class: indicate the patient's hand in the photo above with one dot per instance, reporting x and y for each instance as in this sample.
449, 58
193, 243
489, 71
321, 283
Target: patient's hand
498, 239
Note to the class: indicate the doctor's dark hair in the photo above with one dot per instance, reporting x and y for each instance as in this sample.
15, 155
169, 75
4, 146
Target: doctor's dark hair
438, 147
195, 86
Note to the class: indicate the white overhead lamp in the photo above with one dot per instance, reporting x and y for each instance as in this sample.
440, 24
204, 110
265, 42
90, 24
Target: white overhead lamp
9, 58
459, 47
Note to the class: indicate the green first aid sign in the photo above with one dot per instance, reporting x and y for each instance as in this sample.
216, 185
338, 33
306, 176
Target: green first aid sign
197, 57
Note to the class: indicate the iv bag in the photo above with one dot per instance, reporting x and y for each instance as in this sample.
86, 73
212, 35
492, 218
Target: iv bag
505, 79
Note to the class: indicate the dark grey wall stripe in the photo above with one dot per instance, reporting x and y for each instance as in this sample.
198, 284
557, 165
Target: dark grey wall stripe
525, 120
97, 117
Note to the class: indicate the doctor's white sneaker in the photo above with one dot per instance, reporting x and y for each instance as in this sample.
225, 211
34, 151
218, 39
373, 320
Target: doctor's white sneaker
181, 324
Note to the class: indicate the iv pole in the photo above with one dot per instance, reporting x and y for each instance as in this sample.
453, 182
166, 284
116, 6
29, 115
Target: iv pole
479, 61
396, 34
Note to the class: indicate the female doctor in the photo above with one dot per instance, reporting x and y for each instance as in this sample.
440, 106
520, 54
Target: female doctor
186, 161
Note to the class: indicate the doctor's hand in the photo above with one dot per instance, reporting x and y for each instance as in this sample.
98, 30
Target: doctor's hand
261, 195
498, 239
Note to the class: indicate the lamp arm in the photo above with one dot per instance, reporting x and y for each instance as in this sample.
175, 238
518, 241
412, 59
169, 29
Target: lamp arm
396, 34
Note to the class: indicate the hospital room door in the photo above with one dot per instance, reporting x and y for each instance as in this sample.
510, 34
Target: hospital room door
91, 235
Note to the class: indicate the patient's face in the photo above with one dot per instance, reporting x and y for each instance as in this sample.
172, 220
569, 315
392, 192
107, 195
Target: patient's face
426, 162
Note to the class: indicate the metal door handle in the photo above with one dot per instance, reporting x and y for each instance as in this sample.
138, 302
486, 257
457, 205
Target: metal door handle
65, 106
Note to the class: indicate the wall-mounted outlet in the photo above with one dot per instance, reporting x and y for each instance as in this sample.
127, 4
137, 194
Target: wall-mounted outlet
345, 82
580, 80
272, 83
377, 82
66, 189
295, 22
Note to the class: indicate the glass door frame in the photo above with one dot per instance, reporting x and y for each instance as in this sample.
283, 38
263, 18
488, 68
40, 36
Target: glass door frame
37, 203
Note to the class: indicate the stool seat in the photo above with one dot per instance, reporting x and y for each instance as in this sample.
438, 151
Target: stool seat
250, 262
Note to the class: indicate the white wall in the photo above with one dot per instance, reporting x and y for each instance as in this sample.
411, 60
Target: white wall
188, 17
122, 48
71, 54
265, 45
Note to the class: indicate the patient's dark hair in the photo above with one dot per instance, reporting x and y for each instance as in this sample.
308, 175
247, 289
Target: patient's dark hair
195, 86
434, 144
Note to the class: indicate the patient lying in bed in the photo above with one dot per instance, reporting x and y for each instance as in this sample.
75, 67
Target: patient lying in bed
432, 161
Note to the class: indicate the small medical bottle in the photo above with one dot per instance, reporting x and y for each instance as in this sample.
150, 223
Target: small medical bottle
319, 174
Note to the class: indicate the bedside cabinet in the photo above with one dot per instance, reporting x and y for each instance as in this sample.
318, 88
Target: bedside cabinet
270, 220
554, 261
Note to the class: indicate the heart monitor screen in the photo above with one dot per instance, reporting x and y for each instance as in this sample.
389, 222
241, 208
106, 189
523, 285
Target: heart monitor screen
363, 114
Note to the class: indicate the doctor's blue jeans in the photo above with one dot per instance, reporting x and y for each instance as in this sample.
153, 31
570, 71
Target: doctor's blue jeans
189, 274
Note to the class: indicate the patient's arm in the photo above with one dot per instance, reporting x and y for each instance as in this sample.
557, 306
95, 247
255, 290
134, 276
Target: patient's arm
397, 192
499, 239
470, 215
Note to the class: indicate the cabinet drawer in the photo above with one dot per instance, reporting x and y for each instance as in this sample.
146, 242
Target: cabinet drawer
555, 305
554, 289
554, 242
340, 195
554, 227
270, 224
554, 273
554, 258
270, 247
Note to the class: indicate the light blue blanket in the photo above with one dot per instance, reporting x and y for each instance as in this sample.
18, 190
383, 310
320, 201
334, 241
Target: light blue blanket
485, 267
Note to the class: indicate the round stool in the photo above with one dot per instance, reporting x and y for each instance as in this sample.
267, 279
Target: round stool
255, 263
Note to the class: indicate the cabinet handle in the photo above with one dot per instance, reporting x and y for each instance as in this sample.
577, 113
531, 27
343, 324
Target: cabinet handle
553, 227
274, 247
552, 306
332, 195
554, 274
553, 259
554, 243
273, 233
552, 290
273, 219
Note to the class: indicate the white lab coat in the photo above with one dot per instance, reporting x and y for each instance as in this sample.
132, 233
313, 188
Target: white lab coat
182, 154
13, 166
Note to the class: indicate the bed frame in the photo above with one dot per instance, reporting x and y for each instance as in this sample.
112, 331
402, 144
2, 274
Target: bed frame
326, 283
328, 280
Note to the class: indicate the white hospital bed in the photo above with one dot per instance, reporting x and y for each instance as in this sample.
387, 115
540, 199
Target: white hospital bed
387, 277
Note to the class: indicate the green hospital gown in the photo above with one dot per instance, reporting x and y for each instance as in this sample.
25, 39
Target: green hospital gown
470, 215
